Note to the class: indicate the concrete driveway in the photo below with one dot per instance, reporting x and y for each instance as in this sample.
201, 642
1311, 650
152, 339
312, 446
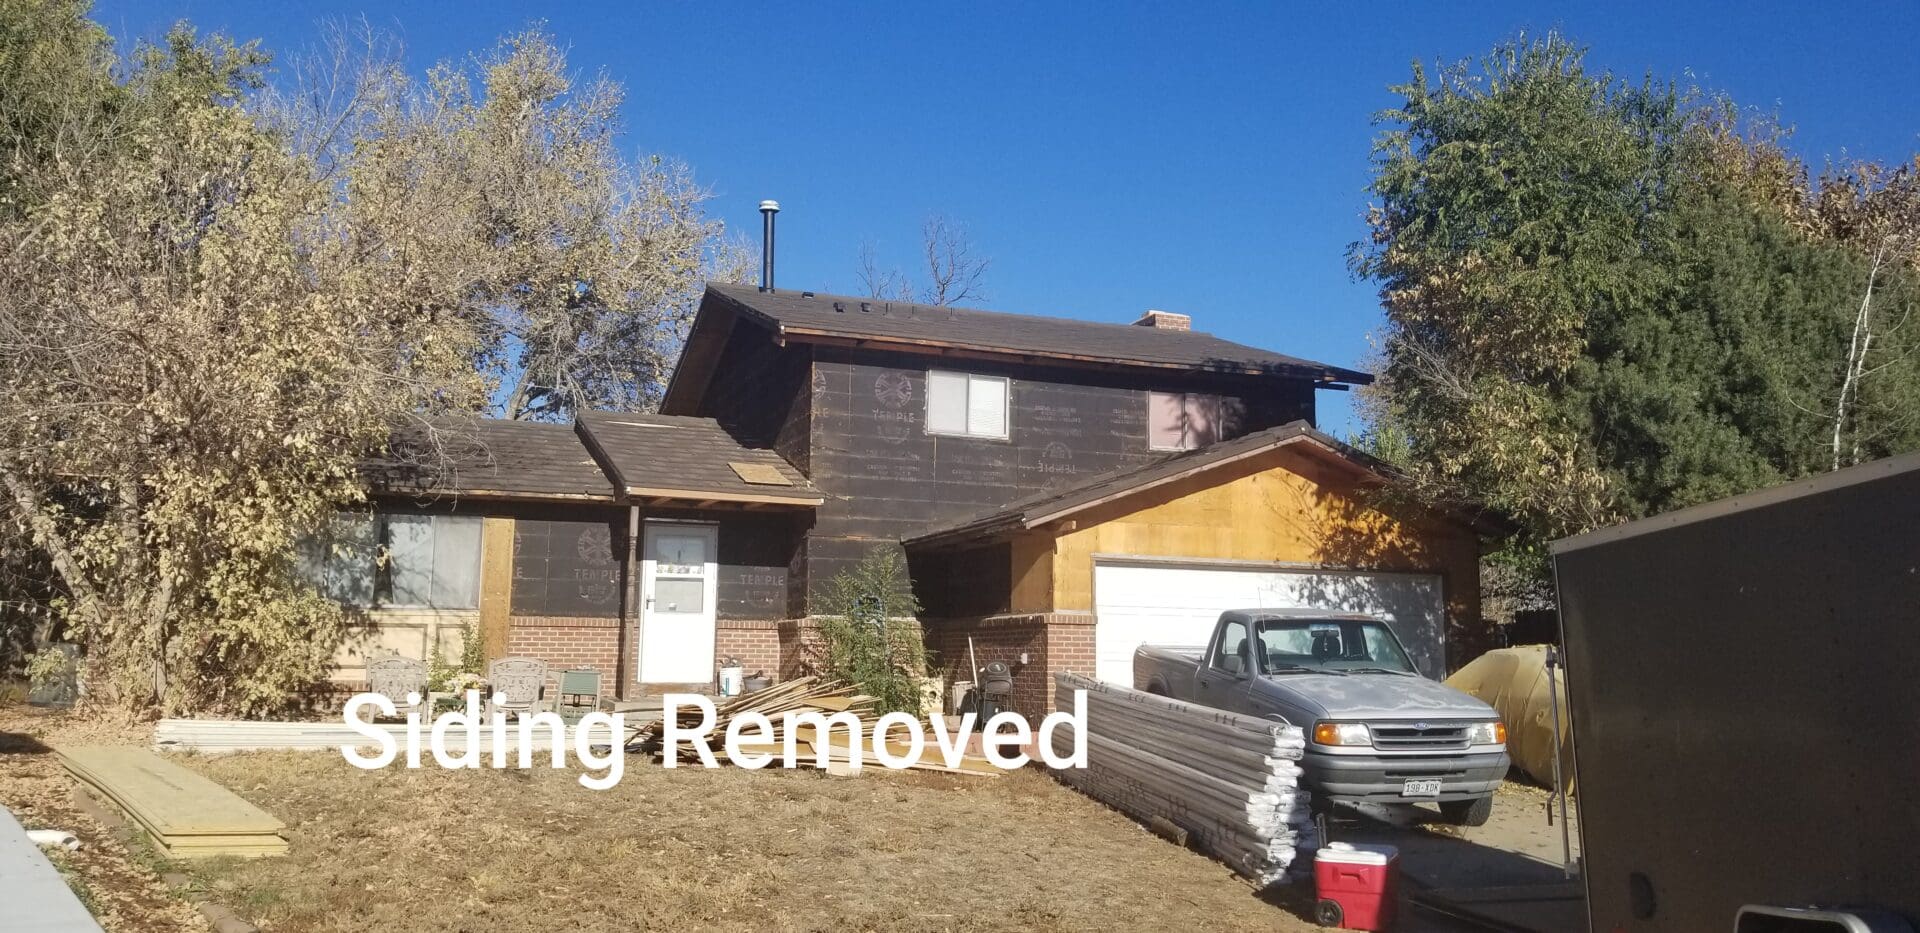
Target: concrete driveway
1516, 850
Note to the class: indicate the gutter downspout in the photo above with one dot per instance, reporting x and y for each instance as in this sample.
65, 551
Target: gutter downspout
629, 611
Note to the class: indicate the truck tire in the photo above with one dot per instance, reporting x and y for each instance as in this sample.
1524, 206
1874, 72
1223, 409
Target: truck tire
1473, 812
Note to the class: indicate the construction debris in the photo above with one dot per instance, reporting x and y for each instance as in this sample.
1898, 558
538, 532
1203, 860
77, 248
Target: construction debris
801, 695
1230, 782
186, 815
215, 736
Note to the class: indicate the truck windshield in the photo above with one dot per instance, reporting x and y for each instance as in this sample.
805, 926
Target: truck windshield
1340, 645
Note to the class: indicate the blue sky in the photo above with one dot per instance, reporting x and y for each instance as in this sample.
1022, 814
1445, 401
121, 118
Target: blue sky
1207, 159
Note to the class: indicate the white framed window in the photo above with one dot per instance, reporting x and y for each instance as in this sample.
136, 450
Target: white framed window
1183, 420
967, 405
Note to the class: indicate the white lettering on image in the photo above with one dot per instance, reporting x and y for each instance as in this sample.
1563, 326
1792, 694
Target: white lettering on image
897, 740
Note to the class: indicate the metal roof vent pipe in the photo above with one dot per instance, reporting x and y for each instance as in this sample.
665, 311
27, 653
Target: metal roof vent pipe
767, 210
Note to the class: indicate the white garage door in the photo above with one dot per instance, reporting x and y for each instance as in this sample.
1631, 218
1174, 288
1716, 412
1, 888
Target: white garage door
1165, 604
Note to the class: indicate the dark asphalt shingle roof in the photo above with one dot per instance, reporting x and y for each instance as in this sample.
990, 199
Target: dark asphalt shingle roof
488, 455
841, 316
686, 454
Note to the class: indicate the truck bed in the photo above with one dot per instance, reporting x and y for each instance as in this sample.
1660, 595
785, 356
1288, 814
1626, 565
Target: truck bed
1170, 661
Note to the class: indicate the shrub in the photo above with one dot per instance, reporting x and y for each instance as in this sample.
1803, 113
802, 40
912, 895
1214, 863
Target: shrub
868, 632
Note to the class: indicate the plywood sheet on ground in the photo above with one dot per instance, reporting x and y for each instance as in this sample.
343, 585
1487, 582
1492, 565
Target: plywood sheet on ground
186, 814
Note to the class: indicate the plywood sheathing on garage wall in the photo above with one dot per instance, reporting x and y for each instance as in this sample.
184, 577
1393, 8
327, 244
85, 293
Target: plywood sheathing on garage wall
1289, 506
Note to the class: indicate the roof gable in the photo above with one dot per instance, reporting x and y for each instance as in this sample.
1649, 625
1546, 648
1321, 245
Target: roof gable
675, 457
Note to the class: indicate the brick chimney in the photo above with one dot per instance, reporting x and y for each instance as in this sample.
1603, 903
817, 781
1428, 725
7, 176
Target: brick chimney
1165, 320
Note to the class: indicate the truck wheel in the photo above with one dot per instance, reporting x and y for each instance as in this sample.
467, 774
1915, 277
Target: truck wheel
1473, 812
1327, 913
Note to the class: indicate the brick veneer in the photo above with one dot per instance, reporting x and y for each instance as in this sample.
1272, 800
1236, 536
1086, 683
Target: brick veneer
755, 642
800, 645
1053, 642
566, 643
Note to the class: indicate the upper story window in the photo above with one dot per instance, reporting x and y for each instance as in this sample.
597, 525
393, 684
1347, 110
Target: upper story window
967, 405
430, 561
1183, 420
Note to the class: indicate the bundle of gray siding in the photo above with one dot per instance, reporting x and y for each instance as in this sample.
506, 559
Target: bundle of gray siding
1229, 781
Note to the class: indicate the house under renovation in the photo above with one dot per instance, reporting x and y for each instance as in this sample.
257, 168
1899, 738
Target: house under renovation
1063, 491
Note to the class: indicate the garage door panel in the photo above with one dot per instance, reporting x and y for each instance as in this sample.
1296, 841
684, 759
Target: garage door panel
1169, 604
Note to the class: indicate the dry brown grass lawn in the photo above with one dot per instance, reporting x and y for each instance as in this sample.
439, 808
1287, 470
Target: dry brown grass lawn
116, 882
688, 849
513, 852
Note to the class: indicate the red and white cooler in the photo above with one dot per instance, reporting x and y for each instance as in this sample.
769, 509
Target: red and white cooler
1355, 885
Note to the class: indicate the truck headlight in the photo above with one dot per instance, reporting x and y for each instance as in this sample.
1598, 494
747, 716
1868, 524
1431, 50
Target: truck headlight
1487, 733
1342, 733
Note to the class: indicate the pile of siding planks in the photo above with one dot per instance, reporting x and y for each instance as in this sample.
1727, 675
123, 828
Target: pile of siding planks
1229, 783
215, 736
186, 815
803, 694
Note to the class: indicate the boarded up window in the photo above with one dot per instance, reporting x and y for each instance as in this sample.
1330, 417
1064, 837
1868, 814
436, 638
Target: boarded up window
1183, 420
966, 404
567, 568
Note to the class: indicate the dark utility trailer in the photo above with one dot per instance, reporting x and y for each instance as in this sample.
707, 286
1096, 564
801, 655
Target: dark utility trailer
1745, 684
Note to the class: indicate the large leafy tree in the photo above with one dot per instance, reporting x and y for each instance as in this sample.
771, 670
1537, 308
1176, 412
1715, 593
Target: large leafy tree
578, 267
1603, 302
217, 297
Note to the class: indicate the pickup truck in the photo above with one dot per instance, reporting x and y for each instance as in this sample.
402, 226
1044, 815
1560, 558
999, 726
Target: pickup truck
1377, 731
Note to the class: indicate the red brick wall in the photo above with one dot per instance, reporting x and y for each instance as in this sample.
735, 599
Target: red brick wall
799, 640
1052, 642
756, 643
566, 644
1069, 648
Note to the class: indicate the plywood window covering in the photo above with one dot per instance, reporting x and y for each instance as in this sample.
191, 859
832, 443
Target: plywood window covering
1182, 420
966, 404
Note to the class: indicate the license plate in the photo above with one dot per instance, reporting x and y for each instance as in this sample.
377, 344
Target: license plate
1421, 788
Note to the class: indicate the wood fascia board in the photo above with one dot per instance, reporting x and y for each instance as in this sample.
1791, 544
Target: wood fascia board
953, 350
700, 357
709, 496
493, 495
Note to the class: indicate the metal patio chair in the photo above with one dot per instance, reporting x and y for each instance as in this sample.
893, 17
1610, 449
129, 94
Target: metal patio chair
395, 677
579, 694
518, 682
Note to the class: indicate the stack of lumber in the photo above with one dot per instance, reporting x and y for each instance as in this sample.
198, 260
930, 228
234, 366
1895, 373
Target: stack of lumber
186, 815
803, 694
1229, 783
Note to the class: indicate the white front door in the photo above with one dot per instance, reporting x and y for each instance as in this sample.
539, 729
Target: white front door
1171, 604
678, 584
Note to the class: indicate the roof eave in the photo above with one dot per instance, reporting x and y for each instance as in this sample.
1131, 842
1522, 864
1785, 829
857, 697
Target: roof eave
717, 496
1330, 377
495, 495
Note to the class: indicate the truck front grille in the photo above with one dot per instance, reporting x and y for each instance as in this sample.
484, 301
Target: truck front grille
1409, 737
